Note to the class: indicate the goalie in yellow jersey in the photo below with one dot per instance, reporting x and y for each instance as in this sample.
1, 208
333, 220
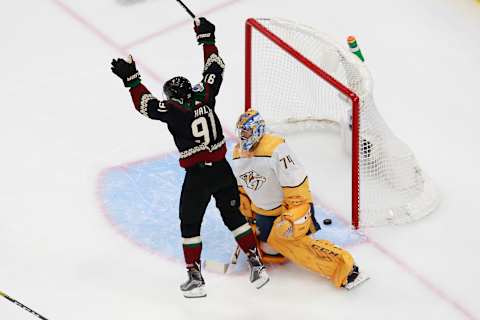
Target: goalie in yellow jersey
275, 197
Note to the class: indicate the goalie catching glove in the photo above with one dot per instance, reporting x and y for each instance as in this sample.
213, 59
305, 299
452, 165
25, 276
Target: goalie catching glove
127, 71
205, 31
295, 223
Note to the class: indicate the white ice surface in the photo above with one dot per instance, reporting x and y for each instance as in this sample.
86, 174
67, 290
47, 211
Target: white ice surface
65, 118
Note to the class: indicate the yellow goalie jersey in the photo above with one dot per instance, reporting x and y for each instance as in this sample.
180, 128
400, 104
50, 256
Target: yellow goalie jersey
271, 176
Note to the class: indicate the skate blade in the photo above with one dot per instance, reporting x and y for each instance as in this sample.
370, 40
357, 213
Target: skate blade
261, 282
195, 293
361, 278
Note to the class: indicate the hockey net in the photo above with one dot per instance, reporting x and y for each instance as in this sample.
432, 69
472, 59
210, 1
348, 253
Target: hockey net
299, 79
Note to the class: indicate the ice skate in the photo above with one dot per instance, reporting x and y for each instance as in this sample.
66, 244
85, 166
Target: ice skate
258, 274
194, 287
355, 278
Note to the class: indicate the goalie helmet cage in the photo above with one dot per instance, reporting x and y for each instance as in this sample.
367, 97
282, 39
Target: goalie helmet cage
297, 77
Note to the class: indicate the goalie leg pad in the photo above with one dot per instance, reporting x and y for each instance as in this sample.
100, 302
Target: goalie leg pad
320, 256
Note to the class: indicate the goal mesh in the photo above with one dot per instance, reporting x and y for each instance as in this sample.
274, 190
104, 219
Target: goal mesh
316, 87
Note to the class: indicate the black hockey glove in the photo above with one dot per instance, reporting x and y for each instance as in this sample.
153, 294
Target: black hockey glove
127, 71
205, 31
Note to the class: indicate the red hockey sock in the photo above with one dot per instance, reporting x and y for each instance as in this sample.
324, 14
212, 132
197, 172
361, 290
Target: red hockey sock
245, 238
192, 249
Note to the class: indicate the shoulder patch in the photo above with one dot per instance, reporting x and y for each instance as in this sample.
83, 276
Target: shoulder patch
267, 145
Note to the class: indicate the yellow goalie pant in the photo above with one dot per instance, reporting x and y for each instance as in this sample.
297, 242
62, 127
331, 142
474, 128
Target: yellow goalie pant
320, 256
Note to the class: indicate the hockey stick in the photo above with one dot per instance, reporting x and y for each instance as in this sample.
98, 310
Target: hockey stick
216, 266
21, 305
187, 9
235, 254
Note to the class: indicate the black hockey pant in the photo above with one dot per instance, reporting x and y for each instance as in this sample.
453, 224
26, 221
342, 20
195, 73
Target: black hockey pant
201, 183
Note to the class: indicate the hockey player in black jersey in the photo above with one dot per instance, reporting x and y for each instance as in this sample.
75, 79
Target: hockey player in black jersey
189, 113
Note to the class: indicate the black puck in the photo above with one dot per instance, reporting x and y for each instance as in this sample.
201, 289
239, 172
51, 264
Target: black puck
327, 221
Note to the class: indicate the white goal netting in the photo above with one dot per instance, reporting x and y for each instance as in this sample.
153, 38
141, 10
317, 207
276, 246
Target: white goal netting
290, 96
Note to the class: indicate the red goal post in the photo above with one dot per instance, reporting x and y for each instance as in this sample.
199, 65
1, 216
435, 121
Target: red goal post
408, 201
252, 23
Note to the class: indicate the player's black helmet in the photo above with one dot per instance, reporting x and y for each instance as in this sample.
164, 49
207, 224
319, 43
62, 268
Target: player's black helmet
178, 88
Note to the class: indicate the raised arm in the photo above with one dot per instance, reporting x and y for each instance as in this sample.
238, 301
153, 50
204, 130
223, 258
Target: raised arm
143, 100
148, 105
213, 64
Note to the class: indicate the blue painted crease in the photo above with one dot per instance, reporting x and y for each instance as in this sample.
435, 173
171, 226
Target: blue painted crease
142, 200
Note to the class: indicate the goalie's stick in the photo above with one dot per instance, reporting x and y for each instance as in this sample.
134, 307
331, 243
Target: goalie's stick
187, 9
21, 305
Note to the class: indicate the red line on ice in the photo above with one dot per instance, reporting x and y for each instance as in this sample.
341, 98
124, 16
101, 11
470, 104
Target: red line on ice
174, 26
105, 38
422, 279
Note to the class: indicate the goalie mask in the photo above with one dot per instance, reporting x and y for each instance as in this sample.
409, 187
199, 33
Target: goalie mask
178, 88
250, 129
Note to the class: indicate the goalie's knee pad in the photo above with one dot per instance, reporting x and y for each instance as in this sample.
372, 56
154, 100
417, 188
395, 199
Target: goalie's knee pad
269, 255
268, 249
